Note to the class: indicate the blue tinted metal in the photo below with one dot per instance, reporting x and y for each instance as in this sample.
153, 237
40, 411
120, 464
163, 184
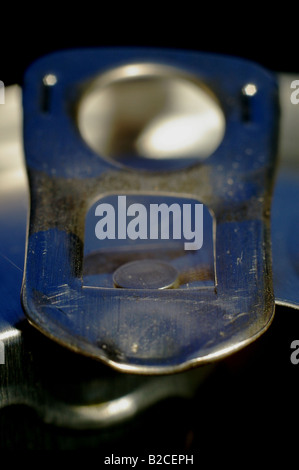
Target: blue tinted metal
146, 331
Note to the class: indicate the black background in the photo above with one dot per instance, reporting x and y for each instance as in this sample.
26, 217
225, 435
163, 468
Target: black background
250, 405
271, 38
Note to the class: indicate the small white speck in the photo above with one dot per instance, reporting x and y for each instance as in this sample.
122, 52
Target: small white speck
250, 89
50, 79
134, 347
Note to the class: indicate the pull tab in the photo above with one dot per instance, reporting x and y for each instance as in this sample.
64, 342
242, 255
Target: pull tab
150, 177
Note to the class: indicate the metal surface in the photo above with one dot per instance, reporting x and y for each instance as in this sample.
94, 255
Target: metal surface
63, 388
146, 274
35, 370
140, 112
178, 328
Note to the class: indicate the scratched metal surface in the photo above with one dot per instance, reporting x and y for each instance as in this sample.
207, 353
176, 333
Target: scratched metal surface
63, 388
145, 331
23, 378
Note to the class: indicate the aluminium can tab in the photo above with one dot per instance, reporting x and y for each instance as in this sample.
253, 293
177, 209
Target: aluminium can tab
150, 174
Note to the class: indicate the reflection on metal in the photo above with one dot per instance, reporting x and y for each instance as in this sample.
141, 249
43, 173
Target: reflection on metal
150, 111
150, 331
64, 388
2, 92
9, 334
50, 79
14, 207
146, 274
250, 89
121, 409
2, 353
161, 233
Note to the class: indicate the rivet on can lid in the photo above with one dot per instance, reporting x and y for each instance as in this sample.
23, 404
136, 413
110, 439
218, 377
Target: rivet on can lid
146, 274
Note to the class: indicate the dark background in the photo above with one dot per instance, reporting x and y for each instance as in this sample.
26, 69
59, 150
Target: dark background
270, 39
